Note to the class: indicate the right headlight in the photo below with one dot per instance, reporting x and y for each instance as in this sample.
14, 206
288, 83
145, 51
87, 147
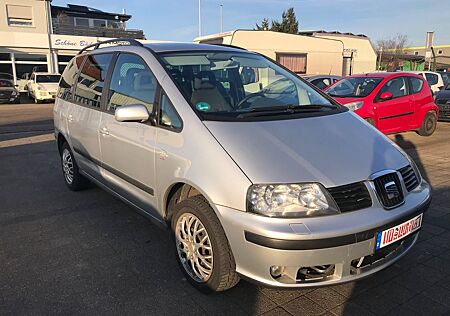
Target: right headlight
353, 106
290, 200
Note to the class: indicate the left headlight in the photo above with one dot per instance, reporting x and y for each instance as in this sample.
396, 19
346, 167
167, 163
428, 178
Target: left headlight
14, 93
353, 106
290, 200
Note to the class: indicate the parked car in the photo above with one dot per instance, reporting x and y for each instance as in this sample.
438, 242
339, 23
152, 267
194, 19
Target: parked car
445, 77
42, 86
392, 102
435, 80
322, 81
242, 177
8, 93
443, 102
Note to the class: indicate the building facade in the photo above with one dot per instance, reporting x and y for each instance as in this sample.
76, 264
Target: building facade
312, 52
38, 36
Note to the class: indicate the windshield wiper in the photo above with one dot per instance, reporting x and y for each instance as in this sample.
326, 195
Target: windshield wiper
287, 109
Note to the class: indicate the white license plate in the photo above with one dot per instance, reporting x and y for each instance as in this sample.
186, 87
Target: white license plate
393, 234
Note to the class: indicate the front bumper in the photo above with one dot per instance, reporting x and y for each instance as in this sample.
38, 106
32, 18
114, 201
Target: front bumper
444, 112
48, 96
331, 242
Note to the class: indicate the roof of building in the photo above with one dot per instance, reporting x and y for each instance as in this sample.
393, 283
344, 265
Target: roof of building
88, 12
323, 32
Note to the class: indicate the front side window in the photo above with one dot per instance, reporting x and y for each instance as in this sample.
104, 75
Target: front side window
47, 78
132, 82
91, 80
415, 84
168, 116
353, 87
432, 79
235, 85
396, 86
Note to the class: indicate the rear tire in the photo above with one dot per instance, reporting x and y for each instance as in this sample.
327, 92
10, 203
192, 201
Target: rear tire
72, 177
428, 125
201, 247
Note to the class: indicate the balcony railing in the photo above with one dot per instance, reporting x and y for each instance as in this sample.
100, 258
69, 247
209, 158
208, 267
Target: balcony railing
69, 29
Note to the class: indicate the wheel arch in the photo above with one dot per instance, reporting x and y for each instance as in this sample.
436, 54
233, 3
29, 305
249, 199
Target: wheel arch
178, 192
60, 139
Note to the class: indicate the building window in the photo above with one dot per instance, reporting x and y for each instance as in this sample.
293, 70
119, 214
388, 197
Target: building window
19, 15
440, 52
294, 62
82, 22
99, 23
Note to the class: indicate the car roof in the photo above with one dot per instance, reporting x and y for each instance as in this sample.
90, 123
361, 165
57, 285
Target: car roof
384, 74
180, 47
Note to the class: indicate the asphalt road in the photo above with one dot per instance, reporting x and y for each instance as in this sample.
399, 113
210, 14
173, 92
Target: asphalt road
88, 253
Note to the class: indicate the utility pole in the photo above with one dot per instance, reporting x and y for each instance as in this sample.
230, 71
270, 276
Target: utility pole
221, 18
48, 14
379, 58
199, 17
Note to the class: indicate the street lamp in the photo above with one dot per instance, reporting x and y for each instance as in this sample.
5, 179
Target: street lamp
199, 17
221, 18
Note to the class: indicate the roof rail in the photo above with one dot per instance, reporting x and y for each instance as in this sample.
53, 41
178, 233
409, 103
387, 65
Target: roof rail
131, 42
225, 45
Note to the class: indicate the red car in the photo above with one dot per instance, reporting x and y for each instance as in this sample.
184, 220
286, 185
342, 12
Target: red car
392, 102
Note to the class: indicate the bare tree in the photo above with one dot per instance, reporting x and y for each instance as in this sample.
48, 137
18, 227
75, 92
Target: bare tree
392, 49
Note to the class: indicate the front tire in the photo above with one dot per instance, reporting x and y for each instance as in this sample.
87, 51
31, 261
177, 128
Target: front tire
72, 177
428, 125
202, 249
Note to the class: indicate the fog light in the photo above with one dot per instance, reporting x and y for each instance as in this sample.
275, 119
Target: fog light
276, 271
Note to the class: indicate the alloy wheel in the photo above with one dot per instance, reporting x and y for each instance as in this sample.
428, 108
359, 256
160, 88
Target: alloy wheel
67, 163
194, 247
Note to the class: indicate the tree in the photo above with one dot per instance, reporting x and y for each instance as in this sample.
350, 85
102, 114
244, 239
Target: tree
391, 49
288, 24
265, 26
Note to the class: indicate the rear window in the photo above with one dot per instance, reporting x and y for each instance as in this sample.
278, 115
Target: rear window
47, 78
432, 79
354, 87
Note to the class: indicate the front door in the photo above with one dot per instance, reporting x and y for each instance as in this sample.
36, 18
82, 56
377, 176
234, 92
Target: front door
393, 115
85, 113
128, 148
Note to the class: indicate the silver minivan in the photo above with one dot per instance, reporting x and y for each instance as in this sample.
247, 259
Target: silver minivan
257, 173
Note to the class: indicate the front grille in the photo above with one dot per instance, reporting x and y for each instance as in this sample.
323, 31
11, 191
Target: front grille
441, 101
389, 190
351, 197
409, 178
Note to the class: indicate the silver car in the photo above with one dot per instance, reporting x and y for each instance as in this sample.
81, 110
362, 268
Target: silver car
257, 173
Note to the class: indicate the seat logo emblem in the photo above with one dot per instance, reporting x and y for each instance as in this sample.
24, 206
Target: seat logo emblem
391, 190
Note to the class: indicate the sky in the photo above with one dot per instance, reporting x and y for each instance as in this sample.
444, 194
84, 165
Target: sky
379, 19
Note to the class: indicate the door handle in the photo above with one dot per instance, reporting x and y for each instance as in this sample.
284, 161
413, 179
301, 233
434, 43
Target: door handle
104, 131
70, 118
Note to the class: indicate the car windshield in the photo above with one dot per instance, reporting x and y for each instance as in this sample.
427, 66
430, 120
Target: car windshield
354, 87
224, 85
445, 78
6, 84
47, 78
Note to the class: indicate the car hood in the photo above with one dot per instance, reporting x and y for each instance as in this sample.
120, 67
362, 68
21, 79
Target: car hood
49, 86
333, 149
7, 89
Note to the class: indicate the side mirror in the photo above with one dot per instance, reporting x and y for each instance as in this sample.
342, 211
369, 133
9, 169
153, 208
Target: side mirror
132, 113
386, 96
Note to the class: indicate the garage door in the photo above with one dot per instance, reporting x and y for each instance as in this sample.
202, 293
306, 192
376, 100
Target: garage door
294, 62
